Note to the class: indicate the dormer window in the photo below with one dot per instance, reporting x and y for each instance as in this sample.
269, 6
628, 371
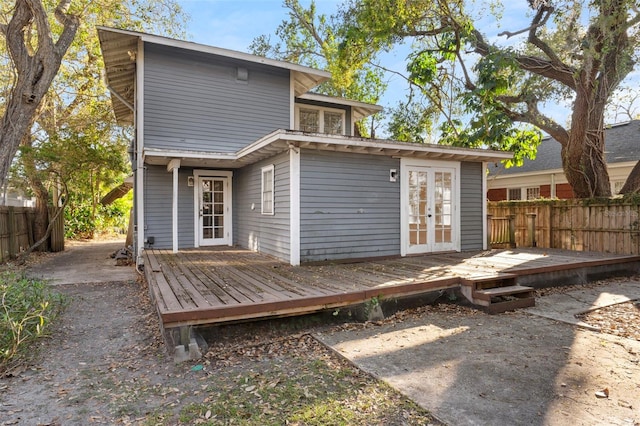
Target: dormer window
320, 120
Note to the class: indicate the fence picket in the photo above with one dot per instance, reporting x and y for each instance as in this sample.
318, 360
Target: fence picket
610, 226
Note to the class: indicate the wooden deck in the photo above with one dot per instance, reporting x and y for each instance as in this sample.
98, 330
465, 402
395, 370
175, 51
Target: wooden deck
215, 285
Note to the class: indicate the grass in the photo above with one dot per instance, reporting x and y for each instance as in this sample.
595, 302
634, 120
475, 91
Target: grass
311, 387
27, 309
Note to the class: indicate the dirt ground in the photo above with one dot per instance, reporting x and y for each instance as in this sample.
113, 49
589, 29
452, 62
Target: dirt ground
106, 364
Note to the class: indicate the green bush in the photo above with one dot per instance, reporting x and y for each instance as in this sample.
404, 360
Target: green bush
80, 220
28, 307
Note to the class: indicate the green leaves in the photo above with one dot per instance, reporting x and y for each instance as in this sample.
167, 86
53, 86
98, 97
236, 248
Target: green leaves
422, 68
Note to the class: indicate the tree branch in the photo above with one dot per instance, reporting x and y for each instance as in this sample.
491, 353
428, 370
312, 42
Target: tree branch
540, 20
39, 14
70, 24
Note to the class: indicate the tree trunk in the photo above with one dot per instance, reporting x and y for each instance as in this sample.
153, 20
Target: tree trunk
583, 157
632, 185
41, 220
35, 70
16, 123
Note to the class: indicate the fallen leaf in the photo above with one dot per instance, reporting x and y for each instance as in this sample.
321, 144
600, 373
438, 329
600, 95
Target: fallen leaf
604, 393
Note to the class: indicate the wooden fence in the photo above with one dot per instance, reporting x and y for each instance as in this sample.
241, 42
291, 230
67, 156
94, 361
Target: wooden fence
16, 231
609, 226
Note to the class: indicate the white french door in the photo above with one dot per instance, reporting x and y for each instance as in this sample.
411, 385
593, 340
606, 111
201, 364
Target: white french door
214, 212
430, 221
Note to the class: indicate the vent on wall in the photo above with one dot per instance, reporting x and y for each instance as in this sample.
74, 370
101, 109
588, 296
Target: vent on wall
242, 74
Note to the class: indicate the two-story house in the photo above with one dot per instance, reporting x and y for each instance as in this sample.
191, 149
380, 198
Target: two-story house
234, 149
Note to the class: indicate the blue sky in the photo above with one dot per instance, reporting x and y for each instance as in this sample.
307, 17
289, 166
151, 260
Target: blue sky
233, 24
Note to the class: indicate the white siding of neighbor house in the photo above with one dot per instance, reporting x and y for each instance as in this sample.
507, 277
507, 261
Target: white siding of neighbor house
264, 233
193, 101
348, 207
471, 199
158, 207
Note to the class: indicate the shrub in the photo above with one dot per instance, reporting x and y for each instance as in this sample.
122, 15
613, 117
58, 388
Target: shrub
27, 309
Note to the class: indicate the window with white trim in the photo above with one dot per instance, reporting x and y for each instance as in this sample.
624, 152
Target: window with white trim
616, 186
309, 120
268, 190
320, 120
514, 194
533, 193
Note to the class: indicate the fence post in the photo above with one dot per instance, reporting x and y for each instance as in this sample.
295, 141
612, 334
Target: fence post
512, 230
56, 239
531, 230
488, 236
11, 226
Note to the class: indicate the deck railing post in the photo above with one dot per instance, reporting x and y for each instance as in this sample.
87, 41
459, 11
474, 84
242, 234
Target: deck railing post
531, 230
512, 230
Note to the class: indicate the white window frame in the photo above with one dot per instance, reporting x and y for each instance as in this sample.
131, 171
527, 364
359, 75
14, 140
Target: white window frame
321, 111
526, 192
268, 169
509, 193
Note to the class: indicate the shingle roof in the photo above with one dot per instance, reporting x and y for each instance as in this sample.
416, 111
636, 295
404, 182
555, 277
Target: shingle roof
622, 143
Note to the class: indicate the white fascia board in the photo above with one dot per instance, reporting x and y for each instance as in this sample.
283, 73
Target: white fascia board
340, 101
339, 140
525, 174
177, 154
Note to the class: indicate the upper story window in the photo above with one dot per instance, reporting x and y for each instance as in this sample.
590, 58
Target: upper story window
309, 120
320, 120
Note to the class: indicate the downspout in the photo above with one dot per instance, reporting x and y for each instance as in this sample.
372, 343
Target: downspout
139, 181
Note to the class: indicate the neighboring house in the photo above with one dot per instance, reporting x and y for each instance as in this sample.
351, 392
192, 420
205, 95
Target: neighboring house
15, 198
544, 177
215, 165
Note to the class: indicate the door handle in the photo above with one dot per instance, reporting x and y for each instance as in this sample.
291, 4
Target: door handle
429, 215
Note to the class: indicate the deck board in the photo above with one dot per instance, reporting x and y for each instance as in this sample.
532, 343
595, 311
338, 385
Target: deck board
222, 284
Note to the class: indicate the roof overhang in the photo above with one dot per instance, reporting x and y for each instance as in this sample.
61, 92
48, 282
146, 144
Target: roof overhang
120, 47
359, 109
281, 140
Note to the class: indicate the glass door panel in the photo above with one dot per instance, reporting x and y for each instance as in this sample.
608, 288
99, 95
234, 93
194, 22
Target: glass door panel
212, 221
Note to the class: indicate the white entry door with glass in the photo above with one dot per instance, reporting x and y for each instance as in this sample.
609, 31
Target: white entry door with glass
214, 211
430, 220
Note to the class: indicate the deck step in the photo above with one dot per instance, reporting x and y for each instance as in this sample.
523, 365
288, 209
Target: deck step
498, 293
510, 305
510, 290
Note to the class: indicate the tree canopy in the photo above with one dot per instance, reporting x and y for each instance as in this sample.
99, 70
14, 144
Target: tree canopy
495, 90
312, 39
68, 137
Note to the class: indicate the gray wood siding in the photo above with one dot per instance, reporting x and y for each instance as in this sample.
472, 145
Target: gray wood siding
471, 199
192, 101
348, 207
158, 207
264, 233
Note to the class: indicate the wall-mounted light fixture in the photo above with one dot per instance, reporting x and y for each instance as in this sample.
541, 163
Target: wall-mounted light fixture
393, 175
190, 181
